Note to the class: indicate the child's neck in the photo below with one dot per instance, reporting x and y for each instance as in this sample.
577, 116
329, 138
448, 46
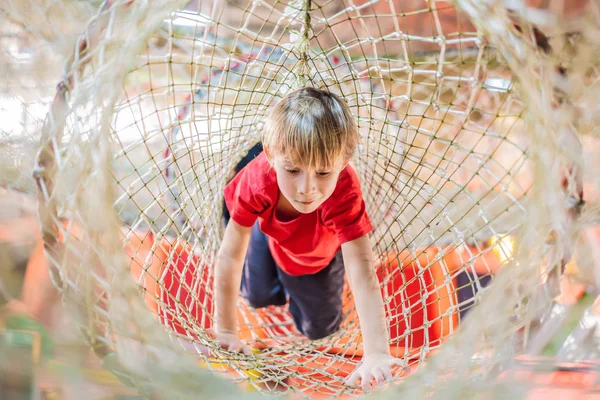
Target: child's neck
285, 211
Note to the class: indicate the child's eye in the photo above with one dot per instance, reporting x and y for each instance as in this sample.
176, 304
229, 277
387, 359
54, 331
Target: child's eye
291, 171
323, 173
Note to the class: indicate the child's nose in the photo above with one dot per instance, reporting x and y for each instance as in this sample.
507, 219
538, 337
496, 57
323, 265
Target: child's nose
306, 184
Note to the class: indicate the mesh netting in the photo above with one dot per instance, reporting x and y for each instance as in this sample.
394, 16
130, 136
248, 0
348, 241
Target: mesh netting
470, 161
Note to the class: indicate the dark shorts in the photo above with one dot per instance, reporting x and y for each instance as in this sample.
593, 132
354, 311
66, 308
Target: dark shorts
315, 300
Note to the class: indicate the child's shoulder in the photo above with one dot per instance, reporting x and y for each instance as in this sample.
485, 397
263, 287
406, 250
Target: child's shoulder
348, 180
258, 165
346, 206
258, 174
347, 188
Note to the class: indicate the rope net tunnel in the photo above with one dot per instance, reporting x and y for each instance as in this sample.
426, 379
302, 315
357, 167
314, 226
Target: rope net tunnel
477, 136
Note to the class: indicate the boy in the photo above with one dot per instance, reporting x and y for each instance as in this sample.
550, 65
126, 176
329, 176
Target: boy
292, 208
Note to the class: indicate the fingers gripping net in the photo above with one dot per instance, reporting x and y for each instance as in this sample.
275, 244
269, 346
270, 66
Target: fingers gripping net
159, 103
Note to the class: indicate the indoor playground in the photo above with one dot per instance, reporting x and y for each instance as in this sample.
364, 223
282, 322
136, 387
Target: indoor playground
122, 121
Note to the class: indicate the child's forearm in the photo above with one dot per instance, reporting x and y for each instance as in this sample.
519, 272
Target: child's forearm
371, 313
227, 288
228, 275
358, 259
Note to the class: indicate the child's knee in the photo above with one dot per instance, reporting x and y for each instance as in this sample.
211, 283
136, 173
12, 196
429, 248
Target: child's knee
258, 301
315, 331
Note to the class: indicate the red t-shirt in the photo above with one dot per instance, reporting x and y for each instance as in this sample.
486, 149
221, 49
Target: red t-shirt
308, 243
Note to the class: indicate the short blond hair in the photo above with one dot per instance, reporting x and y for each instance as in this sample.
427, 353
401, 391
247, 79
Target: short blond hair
312, 127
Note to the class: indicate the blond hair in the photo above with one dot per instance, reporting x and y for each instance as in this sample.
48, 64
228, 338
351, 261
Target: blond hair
312, 127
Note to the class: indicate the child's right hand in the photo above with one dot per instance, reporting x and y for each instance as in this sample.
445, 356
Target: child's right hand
230, 341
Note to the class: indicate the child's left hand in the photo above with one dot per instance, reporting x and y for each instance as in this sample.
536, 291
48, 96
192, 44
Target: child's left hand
374, 366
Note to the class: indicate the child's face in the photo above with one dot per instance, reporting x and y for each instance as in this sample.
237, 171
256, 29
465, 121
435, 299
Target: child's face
306, 189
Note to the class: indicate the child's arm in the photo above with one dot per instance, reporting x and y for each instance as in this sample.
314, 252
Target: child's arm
228, 275
377, 361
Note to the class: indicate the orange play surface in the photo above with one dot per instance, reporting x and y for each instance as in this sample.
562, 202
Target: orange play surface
183, 306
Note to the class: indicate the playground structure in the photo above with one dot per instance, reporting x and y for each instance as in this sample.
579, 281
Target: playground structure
477, 150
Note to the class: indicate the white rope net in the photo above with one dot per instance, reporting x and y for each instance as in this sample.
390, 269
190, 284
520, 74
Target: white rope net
471, 162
